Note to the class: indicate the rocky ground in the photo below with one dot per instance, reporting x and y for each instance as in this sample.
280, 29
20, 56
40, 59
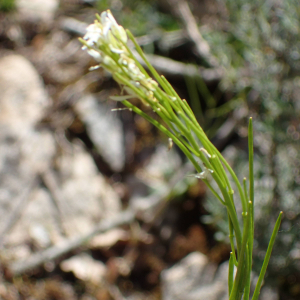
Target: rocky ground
93, 205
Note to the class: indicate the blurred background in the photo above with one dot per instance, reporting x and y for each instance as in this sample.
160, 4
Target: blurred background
93, 203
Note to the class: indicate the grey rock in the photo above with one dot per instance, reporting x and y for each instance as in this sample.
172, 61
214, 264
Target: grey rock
268, 293
194, 278
22, 99
86, 197
37, 222
104, 129
25, 152
156, 175
37, 10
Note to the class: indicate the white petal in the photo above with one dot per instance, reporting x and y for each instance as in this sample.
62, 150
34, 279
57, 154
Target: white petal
103, 17
94, 68
95, 54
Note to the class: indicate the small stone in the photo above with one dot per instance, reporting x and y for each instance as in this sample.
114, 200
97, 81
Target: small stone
85, 268
37, 10
194, 278
104, 129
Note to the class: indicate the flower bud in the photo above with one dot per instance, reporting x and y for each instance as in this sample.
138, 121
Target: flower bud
110, 64
120, 33
95, 54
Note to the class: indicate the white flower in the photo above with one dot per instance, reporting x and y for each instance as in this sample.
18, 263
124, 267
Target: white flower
106, 23
105, 41
93, 35
105, 31
112, 19
117, 30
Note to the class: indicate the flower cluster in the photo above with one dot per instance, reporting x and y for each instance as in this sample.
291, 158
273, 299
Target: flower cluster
106, 42
104, 32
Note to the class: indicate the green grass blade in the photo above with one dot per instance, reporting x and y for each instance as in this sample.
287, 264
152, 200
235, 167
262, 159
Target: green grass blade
231, 238
238, 286
251, 172
267, 258
249, 246
194, 98
251, 197
230, 272
165, 131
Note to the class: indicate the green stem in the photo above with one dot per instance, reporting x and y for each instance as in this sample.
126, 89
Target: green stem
243, 255
235, 179
231, 236
231, 272
251, 173
251, 198
165, 131
267, 258
148, 64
